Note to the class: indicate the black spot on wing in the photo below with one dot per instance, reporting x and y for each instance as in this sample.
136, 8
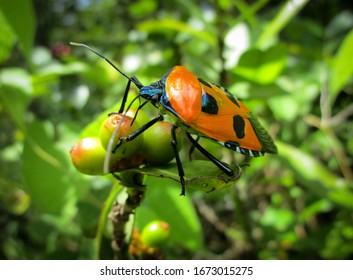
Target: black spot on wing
239, 126
209, 104
227, 93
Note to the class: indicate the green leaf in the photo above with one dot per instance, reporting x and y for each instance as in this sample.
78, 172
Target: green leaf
280, 219
175, 25
246, 90
262, 67
6, 39
142, 8
46, 169
17, 78
342, 68
299, 98
21, 18
199, 174
163, 202
288, 11
319, 206
15, 91
316, 177
285, 108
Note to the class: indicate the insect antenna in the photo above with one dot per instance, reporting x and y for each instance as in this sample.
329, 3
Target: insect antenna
132, 79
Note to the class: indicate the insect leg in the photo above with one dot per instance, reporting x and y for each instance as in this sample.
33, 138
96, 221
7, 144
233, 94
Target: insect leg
136, 133
126, 93
192, 148
177, 159
138, 109
224, 167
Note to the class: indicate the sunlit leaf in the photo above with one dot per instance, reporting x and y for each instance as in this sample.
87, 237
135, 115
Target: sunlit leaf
6, 39
142, 8
289, 10
342, 67
45, 167
174, 25
280, 219
285, 108
262, 67
16, 78
255, 91
15, 91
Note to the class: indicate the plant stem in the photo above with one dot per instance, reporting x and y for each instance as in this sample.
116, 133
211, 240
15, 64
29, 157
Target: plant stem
120, 216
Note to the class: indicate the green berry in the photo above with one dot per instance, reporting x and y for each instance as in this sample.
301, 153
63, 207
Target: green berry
157, 148
156, 233
142, 117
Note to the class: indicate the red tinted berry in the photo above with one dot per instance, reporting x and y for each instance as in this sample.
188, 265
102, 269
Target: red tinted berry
88, 156
128, 149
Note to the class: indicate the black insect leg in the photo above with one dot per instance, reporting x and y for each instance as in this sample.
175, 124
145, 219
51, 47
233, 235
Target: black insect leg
138, 109
224, 167
192, 148
126, 93
174, 144
136, 133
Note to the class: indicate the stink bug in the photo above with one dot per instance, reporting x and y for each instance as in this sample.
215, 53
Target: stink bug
201, 108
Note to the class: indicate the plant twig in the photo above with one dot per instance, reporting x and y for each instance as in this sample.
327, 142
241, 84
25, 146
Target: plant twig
120, 216
326, 126
342, 116
339, 152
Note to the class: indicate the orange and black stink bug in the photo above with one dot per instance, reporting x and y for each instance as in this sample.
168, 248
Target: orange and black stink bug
204, 109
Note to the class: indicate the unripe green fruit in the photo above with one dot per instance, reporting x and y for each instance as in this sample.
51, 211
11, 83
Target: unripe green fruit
88, 156
128, 149
142, 117
157, 148
156, 233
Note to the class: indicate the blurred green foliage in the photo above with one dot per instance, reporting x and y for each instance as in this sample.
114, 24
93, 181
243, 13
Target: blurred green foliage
289, 61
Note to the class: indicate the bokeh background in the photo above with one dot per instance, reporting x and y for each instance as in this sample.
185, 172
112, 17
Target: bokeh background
289, 61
